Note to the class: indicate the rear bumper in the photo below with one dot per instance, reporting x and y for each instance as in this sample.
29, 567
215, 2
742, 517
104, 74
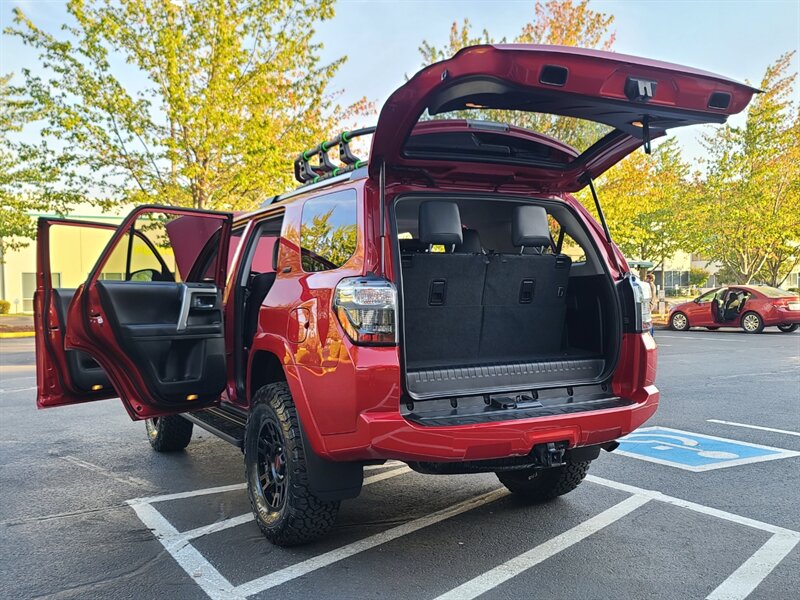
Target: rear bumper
781, 316
382, 432
393, 437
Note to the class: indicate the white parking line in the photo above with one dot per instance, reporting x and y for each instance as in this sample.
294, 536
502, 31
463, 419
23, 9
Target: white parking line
759, 427
25, 389
246, 518
323, 560
187, 556
755, 569
178, 544
519, 564
700, 508
126, 479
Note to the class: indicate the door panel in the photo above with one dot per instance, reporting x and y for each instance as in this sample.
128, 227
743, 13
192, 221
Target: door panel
86, 374
66, 252
140, 316
173, 333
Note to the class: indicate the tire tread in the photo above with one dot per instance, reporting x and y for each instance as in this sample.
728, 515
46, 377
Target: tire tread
307, 517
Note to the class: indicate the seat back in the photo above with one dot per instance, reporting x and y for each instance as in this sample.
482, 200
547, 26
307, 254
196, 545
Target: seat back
442, 291
524, 300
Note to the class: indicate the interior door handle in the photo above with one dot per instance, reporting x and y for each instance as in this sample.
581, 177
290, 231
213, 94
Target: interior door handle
189, 298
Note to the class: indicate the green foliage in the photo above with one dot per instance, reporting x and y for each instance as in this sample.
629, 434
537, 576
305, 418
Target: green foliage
5, 307
748, 217
325, 246
31, 177
698, 277
227, 93
645, 200
560, 22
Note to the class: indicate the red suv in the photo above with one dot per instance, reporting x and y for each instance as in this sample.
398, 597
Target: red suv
448, 304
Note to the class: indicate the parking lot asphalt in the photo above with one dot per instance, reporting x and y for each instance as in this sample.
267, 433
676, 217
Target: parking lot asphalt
88, 510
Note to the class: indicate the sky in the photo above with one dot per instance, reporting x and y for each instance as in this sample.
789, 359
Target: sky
737, 39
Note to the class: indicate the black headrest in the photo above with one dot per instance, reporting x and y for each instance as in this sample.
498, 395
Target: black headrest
529, 226
408, 246
439, 223
471, 243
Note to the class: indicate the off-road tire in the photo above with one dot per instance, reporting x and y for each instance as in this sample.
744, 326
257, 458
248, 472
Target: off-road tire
301, 517
169, 434
754, 317
544, 484
789, 328
675, 327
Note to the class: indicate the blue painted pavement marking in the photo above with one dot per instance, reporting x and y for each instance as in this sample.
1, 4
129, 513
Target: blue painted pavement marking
694, 451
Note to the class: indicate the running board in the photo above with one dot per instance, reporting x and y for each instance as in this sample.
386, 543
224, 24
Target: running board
224, 423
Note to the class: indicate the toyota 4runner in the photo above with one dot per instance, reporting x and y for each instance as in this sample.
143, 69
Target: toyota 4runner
447, 304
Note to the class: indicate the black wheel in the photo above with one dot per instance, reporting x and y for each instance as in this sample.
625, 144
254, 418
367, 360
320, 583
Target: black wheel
679, 322
541, 485
712, 328
275, 468
752, 322
789, 328
169, 434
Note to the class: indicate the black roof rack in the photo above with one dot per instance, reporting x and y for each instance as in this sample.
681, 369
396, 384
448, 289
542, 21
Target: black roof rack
307, 173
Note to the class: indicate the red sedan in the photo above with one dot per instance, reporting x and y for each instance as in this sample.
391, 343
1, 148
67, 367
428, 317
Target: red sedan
751, 307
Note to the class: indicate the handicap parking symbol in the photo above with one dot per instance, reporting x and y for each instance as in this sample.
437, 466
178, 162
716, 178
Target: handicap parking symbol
694, 451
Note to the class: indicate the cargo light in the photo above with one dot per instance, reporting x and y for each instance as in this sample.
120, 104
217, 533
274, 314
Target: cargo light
367, 310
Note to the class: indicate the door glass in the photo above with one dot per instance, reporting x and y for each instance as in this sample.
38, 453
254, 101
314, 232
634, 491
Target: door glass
74, 249
163, 247
328, 233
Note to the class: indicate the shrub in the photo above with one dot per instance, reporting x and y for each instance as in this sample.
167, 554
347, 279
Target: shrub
698, 277
5, 307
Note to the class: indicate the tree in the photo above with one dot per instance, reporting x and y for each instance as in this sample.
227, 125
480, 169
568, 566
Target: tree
31, 177
219, 96
558, 22
749, 217
645, 200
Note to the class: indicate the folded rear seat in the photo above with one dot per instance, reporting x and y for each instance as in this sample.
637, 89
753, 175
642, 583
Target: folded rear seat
524, 300
442, 292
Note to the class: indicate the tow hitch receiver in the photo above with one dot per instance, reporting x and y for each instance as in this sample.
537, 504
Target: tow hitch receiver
549, 455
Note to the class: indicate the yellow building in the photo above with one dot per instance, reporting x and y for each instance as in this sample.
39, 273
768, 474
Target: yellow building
18, 268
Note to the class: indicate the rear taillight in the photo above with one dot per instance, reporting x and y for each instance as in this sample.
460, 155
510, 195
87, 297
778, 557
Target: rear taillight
367, 309
641, 296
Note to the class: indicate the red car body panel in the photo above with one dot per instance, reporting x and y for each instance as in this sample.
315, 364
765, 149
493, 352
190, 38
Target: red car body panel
348, 396
772, 310
593, 88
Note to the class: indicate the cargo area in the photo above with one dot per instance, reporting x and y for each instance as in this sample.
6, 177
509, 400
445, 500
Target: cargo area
502, 297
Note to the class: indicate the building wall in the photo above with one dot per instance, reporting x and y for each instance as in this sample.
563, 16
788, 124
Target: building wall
74, 251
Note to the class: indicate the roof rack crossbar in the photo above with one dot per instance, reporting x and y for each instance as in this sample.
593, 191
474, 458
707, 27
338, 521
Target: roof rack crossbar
305, 172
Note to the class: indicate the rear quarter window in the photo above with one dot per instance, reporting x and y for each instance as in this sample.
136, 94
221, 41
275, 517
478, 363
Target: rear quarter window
328, 231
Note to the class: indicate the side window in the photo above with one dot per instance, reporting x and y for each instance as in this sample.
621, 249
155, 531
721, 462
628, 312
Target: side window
707, 297
329, 231
163, 247
70, 269
568, 245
